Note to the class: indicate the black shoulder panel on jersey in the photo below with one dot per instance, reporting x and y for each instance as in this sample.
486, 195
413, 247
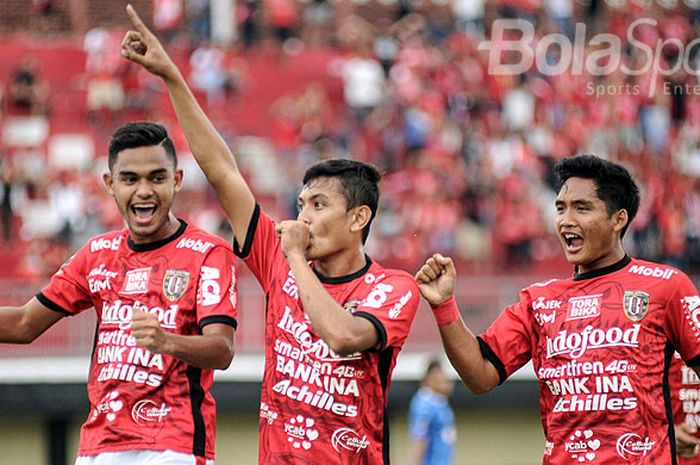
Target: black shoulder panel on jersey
227, 320
50, 304
491, 356
248, 243
377, 324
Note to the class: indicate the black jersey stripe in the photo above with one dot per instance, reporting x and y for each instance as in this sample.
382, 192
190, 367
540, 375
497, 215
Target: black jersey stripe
51, 305
383, 368
488, 353
248, 242
669, 350
377, 324
199, 436
223, 319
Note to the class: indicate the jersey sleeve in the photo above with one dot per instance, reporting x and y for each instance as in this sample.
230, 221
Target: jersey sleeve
68, 291
508, 341
683, 319
217, 292
391, 306
261, 248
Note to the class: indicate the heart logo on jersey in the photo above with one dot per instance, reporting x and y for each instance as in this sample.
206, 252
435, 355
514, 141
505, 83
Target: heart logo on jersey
588, 433
312, 434
116, 405
590, 456
594, 444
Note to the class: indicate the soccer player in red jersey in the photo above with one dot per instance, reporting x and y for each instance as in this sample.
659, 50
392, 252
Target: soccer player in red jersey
165, 298
685, 398
601, 342
335, 320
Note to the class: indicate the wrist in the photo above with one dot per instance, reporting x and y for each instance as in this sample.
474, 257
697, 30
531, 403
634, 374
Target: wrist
446, 312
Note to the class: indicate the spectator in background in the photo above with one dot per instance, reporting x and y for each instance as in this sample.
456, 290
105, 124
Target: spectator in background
431, 425
27, 92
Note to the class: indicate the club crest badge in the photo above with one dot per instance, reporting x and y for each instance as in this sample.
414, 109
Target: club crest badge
636, 304
175, 284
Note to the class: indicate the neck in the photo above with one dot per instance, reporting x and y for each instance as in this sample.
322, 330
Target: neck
341, 264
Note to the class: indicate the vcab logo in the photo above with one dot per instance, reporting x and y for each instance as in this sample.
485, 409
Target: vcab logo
300, 432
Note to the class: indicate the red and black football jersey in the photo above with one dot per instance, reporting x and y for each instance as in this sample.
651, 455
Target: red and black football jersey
316, 406
685, 398
601, 344
140, 400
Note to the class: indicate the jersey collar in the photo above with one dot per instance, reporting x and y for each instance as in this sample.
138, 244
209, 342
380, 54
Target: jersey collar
154, 245
603, 271
348, 277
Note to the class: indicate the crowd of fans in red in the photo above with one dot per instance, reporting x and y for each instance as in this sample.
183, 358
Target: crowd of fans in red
467, 152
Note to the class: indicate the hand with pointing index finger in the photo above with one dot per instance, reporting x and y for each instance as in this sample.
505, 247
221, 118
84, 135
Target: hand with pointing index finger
142, 47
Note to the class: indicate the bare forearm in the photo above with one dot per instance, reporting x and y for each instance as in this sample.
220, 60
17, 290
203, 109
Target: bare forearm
462, 349
22, 325
333, 324
209, 352
207, 145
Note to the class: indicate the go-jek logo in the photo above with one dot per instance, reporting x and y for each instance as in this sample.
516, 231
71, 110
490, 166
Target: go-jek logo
300, 432
576, 344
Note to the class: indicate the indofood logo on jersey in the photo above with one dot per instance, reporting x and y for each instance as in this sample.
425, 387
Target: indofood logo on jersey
148, 411
120, 313
631, 445
636, 304
301, 333
576, 344
349, 439
136, 281
175, 284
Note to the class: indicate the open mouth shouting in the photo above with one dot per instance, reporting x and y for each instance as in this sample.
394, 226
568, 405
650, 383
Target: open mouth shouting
144, 212
573, 242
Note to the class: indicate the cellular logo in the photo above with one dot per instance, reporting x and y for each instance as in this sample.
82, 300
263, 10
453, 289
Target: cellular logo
349, 439
148, 411
631, 445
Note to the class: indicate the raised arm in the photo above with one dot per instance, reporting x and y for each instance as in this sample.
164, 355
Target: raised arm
22, 325
207, 145
436, 281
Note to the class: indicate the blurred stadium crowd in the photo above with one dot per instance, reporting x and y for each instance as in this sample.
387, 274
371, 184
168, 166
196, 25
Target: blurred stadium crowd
403, 84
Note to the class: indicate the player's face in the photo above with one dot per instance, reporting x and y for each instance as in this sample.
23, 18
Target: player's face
587, 233
324, 208
143, 182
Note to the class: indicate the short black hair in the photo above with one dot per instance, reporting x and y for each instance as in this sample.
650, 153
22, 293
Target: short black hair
140, 134
433, 364
614, 184
359, 180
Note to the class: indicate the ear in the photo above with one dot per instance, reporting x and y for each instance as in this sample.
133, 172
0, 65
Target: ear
109, 182
360, 218
179, 175
620, 219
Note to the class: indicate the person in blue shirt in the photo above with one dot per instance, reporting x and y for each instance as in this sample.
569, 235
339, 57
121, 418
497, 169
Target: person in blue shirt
431, 425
